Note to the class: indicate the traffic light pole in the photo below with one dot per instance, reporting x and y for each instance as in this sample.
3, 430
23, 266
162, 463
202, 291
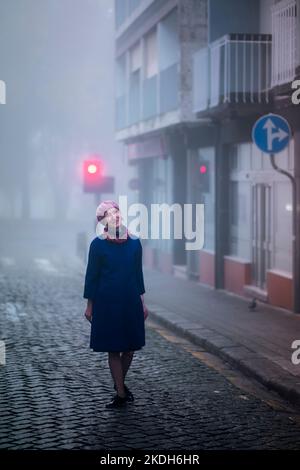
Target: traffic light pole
296, 250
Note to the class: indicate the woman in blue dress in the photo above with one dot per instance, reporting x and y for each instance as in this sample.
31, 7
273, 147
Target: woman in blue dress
114, 288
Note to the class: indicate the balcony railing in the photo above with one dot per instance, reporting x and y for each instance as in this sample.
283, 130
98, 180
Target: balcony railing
284, 31
233, 69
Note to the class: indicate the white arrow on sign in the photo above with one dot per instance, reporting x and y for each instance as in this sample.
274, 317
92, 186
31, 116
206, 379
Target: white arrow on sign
280, 134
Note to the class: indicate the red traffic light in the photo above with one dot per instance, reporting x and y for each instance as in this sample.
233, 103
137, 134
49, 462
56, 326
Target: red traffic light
92, 175
204, 175
203, 169
92, 168
94, 180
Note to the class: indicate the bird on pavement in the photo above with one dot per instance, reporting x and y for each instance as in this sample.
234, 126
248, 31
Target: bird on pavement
252, 306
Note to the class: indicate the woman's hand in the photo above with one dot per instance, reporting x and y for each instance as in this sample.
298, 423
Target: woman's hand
146, 313
89, 311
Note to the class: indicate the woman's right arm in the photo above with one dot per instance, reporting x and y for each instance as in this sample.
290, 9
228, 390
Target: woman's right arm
93, 271
91, 278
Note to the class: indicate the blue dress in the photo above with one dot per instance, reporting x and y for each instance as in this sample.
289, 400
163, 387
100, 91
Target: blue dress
114, 282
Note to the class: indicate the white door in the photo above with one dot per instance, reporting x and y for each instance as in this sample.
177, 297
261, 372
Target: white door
261, 233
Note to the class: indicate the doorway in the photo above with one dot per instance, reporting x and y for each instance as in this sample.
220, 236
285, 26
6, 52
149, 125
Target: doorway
261, 233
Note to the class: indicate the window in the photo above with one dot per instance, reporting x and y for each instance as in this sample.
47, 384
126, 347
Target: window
151, 62
134, 83
233, 203
132, 5
121, 12
239, 219
168, 40
233, 157
121, 76
135, 58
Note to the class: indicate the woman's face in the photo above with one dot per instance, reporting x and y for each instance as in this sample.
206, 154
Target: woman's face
113, 217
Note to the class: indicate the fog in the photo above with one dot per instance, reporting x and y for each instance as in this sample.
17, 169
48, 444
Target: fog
57, 62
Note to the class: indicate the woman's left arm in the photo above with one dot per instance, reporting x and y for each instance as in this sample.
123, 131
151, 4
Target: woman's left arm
139, 270
140, 277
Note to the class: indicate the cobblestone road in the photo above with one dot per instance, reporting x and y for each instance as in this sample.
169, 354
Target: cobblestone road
54, 389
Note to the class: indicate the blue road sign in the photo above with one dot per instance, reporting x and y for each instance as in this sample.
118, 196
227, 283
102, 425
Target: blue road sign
271, 133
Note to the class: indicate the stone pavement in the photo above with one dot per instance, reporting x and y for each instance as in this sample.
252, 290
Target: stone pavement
257, 342
54, 389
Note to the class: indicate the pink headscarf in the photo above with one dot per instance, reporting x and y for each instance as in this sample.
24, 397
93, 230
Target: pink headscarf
120, 231
103, 207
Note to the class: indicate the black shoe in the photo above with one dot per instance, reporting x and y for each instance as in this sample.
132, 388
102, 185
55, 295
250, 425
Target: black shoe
117, 402
129, 394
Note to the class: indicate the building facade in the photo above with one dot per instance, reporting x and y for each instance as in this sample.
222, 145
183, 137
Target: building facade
155, 43
251, 60
191, 80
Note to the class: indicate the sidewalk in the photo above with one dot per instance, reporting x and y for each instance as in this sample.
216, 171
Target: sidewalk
256, 342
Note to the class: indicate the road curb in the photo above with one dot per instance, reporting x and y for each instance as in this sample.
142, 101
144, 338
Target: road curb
247, 361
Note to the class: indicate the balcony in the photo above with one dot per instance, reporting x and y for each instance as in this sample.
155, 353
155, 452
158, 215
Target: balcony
233, 71
284, 33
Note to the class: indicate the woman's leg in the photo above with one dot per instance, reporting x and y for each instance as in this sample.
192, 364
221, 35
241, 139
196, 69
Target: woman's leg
126, 359
116, 369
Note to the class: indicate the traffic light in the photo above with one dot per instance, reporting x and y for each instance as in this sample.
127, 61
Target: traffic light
204, 175
92, 176
94, 180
